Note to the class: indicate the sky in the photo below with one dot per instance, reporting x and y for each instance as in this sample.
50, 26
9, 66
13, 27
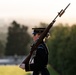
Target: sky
32, 12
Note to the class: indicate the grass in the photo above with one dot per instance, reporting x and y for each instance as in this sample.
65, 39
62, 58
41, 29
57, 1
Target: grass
12, 70
15, 70
52, 71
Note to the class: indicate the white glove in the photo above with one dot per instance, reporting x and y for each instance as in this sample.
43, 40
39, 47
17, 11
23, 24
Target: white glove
22, 66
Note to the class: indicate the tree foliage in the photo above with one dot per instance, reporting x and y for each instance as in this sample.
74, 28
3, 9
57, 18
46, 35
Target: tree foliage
17, 40
62, 49
1, 49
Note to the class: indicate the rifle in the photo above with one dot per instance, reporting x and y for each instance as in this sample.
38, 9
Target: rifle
42, 36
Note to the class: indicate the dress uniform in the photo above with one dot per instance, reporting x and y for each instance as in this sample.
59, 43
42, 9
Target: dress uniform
41, 57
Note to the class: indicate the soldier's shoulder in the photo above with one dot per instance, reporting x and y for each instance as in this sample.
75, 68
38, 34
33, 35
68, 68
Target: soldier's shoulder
42, 46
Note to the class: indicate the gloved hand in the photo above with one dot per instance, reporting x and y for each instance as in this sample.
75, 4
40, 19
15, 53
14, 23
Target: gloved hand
22, 66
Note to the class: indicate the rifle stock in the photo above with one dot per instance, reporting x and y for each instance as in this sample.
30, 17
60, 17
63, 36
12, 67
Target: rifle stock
35, 45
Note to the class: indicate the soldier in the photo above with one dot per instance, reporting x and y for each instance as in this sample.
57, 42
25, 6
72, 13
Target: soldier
39, 66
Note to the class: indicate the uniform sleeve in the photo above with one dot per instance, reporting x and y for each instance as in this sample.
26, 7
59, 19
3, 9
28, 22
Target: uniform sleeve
29, 67
40, 56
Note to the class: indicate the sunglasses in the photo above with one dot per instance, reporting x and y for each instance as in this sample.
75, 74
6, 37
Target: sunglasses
34, 34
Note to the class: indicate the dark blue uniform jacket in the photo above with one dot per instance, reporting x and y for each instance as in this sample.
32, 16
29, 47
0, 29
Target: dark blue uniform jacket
40, 61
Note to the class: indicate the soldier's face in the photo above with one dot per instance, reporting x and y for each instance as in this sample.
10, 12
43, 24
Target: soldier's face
35, 37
